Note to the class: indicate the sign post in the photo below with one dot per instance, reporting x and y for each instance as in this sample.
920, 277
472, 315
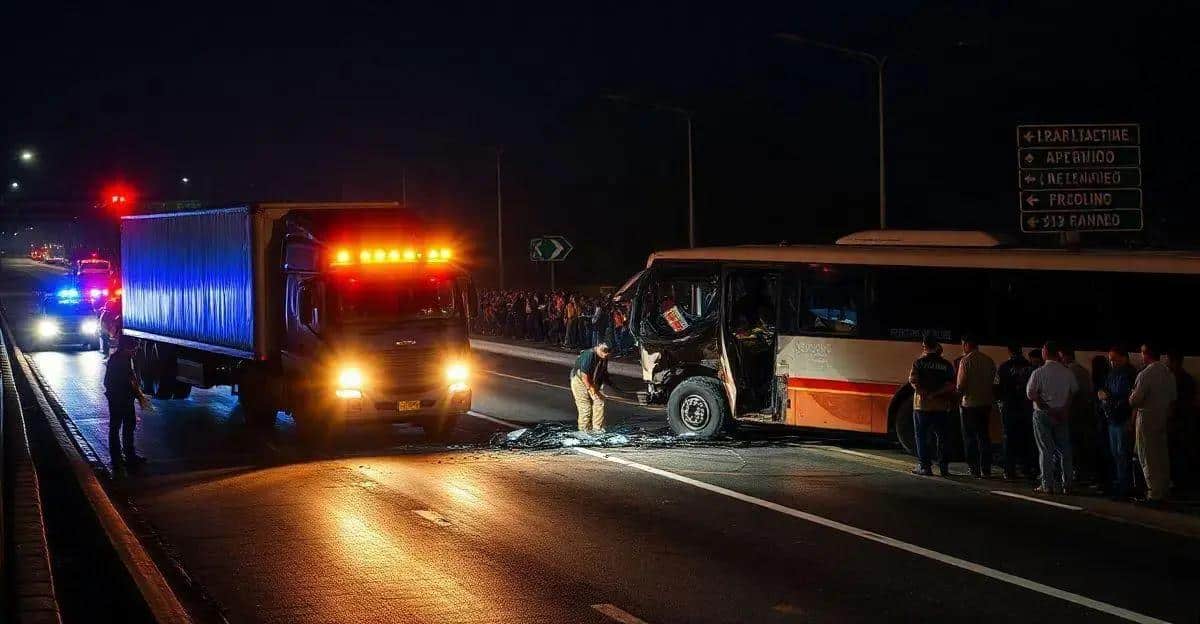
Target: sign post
550, 248
1079, 178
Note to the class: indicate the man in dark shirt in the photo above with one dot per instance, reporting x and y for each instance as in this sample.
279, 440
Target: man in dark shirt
121, 387
587, 377
1181, 428
1016, 413
932, 380
1114, 402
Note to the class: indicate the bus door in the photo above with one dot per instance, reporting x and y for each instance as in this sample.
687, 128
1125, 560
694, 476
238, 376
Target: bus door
751, 325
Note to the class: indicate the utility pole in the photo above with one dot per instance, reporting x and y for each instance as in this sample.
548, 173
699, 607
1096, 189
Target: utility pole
499, 221
879, 62
404, 187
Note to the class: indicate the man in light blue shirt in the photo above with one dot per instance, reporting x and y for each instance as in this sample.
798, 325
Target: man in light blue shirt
1051, 388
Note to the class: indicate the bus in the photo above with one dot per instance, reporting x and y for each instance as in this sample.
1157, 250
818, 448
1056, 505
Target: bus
823, 336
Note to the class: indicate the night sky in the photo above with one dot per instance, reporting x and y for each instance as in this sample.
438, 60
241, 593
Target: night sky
286, 102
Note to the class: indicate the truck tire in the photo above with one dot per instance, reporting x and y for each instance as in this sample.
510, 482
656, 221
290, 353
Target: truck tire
147, 365
440, 429
182, 390
698, 407
255, 409
166, 374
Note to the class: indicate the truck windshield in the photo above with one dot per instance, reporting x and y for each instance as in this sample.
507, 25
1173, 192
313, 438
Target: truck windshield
370, 300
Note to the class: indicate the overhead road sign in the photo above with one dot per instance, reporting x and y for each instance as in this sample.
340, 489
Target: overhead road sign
1080, 157
549, 248
1035, 179
1048, 222
1081, 199
1079, 135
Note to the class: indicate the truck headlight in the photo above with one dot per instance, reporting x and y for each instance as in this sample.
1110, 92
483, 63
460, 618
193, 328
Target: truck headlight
457, 373
90, 327
349, 383
47, 328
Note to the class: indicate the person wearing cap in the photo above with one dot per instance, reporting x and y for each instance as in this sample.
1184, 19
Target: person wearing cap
933, 381
122, 388
587, 377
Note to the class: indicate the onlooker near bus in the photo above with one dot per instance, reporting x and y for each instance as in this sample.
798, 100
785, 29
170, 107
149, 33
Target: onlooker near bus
1118, 414
932, 380
1016, 413
976, 372
1152, 398
1051, 388
1181, 431
1035, 358
1102, 456
1082, 418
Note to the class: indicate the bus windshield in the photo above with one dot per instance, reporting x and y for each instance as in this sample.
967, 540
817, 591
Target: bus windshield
358, 300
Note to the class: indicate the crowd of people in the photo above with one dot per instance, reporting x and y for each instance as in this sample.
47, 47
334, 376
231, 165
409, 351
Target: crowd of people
570, 320
1122, 430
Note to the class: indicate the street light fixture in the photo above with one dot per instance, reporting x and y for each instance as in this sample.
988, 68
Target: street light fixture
14, 185
687, 115
27, 156
184, 180
878, 62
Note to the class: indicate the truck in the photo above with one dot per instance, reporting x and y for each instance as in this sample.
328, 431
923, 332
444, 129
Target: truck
330, 312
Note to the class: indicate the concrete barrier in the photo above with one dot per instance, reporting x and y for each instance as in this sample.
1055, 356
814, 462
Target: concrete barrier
566, 358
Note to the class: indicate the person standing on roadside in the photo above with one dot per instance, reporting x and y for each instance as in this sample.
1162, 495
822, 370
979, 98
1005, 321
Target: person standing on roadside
932, 380
1051, 388
1118, 414
1083, 414
1153, 398
587, 378
1035, 358
122, 388
976, 372
1181, 430
1016, 413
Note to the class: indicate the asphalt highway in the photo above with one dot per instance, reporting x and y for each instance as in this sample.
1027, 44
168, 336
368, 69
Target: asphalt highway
385, 527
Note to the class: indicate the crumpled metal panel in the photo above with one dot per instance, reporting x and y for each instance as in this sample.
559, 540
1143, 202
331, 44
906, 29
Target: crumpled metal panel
189, 276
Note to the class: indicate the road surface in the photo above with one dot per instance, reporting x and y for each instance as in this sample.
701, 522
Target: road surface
388, 528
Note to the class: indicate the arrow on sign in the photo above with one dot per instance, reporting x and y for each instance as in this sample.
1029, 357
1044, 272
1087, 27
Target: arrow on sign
1031, 200
1028, 158
1032, 223
1030, 179
1028, 136
549, 248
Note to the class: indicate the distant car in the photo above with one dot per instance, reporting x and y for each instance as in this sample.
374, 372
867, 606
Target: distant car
65, 318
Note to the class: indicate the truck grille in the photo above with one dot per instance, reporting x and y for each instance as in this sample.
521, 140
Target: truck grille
410, 368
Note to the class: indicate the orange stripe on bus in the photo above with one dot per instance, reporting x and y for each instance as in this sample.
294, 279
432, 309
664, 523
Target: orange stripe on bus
836, 385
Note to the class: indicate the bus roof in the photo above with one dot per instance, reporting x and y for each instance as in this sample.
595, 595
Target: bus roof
1106, 260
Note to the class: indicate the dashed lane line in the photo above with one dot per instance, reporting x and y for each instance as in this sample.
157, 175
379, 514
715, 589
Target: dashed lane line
618, 614
872, 536
433, 516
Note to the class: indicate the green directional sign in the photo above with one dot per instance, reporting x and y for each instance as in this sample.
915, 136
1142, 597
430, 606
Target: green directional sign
549, 248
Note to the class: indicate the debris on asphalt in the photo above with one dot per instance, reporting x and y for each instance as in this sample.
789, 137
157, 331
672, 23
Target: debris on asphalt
553, 435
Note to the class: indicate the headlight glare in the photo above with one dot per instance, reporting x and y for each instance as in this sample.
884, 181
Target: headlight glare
47, 328
90, 327
457, 373
350, 379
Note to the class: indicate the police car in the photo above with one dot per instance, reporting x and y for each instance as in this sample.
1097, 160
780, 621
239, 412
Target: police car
66, 318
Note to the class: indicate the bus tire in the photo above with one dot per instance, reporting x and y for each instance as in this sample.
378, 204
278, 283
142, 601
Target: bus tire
697, 407
903, 427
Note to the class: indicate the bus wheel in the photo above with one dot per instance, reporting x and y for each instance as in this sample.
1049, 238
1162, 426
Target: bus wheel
903, 428
697, 407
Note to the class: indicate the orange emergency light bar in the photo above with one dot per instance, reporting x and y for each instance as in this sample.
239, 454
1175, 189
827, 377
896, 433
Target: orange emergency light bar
379, 255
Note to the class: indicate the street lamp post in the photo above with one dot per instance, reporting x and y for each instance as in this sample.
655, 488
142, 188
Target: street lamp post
879, 62
687, 116
499, 223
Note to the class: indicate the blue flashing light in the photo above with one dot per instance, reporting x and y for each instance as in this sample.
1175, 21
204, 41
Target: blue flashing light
68, 293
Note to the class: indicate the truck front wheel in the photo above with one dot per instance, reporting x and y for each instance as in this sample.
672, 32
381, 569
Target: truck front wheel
697, 407
440, 428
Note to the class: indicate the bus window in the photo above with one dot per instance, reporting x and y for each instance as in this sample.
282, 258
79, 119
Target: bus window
679, 299
829, 299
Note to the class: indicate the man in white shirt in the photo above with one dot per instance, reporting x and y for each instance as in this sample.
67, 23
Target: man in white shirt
1153, 399
1050, 388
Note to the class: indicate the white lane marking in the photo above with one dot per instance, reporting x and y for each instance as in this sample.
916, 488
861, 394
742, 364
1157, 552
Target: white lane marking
870, 456
433, 517
1034, 499
963, 564
568, 389
618, 614
492, 419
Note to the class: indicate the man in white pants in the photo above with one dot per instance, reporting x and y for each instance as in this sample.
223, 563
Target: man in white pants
587, 377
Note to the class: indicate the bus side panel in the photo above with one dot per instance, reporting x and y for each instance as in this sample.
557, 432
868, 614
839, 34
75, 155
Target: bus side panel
841, 383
